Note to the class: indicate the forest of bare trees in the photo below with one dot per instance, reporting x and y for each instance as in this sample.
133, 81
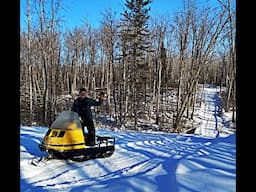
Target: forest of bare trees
139, 61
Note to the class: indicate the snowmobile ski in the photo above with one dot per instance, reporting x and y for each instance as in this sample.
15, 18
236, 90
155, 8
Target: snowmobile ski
39, 160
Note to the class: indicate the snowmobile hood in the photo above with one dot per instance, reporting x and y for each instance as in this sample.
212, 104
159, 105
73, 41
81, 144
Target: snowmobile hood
67, 120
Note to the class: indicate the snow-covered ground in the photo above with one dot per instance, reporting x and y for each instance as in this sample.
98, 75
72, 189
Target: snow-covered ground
152, 162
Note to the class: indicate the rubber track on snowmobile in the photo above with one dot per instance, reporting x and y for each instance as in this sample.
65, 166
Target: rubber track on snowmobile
90, 152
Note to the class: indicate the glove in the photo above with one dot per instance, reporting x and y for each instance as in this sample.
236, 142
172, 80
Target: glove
101, 96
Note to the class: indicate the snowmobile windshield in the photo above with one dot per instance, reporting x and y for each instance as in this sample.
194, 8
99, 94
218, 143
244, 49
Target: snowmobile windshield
67, 120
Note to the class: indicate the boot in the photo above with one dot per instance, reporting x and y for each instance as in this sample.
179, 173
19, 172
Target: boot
90, 140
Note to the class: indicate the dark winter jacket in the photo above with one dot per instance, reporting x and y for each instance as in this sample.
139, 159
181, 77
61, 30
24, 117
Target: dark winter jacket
83, 107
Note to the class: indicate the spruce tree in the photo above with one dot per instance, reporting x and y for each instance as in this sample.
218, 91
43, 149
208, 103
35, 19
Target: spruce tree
135, 19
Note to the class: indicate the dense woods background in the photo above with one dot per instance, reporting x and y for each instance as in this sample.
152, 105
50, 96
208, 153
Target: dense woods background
150, 67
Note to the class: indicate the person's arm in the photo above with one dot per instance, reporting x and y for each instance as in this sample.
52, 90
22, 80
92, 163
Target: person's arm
99, 101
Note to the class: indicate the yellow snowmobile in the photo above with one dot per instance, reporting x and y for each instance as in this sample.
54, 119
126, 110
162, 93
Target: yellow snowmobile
65, 140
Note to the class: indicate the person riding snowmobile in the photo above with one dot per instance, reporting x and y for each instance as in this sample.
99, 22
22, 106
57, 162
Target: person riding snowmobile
82, 106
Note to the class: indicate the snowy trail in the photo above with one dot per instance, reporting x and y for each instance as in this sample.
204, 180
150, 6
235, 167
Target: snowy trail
212, 123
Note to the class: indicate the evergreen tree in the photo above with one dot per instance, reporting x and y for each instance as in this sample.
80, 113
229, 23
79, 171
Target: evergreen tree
135, 18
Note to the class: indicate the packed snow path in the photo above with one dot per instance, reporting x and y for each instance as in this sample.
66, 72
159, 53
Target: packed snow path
212, 124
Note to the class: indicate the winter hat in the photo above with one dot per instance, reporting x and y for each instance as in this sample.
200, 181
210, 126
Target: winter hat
82, 89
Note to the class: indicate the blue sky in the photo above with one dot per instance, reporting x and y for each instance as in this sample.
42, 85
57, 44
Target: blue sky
74, 12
